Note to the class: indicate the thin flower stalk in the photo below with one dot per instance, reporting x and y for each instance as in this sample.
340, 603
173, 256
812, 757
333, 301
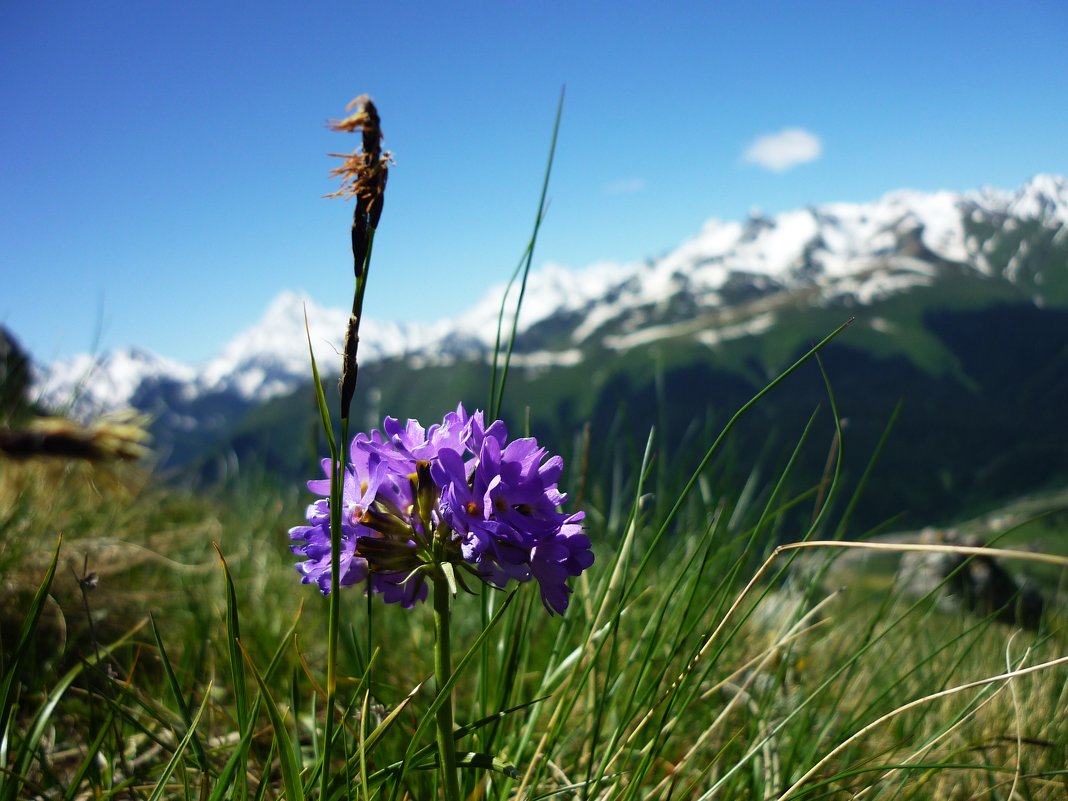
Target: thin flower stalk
442, 672
364, 173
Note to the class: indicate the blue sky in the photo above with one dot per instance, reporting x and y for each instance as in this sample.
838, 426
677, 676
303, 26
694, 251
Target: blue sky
163, 163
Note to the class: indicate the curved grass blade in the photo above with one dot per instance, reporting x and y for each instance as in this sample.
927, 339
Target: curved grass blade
463, 731
428, 752
90, 757
523, 269
427, 759
43, 718
290, 774
190, 736
179, 696
8, 689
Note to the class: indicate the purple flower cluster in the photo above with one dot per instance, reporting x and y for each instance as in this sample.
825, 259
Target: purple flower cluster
456, 492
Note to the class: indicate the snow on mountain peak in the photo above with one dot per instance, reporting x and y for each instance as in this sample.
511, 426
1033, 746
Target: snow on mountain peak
277, 343
271, 357
552, 289
841, 249
86, 384
1044, 197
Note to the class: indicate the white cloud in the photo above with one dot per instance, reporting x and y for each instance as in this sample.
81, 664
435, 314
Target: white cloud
781, 151
625, 186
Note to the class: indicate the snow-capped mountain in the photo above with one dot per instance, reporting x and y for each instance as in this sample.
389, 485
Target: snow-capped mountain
729, 281
263, 361
268, 358
852, 253
85, 385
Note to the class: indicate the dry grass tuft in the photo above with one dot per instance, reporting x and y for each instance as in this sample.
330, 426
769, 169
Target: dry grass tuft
119, 436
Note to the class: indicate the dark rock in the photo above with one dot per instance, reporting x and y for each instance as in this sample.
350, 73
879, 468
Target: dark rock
14, 379
978, 584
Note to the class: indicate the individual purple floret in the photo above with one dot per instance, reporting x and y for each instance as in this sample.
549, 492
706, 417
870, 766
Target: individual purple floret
456, 492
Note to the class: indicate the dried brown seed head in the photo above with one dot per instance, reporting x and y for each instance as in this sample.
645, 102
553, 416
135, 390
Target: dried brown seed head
363, 172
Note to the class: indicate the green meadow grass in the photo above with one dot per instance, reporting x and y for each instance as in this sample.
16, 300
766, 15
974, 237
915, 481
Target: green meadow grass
668, 677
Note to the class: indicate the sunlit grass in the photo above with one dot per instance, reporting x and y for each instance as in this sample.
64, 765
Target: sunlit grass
661, 695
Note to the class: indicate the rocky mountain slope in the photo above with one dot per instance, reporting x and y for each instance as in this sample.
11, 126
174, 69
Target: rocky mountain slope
949, 291
725, 282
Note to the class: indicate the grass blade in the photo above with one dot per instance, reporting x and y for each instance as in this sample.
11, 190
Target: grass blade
43, 718
290, 773
90, 756
320, 397
237, 668
179, 697
8, 689
190, 736
497, 384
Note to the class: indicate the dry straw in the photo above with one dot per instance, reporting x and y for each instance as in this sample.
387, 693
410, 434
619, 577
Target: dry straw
114, 437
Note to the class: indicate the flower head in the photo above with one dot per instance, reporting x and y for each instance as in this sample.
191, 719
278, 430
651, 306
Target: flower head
458, 492
363, 172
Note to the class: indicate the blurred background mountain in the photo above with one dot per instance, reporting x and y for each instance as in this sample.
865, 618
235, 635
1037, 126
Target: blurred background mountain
961, 314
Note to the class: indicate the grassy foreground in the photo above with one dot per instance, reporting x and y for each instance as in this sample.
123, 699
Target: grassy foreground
670, 676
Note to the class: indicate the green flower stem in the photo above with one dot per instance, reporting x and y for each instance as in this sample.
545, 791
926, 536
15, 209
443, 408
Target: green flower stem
442, 671
337, 485
339, 458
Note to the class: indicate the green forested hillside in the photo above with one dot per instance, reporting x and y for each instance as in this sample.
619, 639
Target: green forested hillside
982, 387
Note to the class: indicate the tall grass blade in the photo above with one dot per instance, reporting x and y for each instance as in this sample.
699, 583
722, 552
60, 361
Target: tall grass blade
862, 483
265, 784
91, 754
239, 756
43, 719
825, 499
522, 272
176, 757
9, 686
236, 663
290, 773
179, 697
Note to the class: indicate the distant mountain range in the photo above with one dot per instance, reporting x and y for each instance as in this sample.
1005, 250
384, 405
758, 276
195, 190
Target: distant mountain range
930, 277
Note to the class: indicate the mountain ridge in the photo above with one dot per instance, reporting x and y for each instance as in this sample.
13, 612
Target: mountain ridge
849, 254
